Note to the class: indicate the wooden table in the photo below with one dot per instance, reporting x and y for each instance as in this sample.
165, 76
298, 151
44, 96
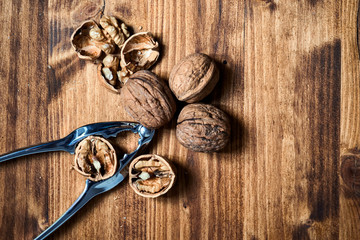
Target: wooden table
289, 80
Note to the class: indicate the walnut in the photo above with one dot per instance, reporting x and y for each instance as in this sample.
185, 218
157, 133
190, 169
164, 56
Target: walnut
193, 78
117, 33
139, 52
95, 158
151, 175
107, 71
203, 128
148, 100
88, 41
111, 43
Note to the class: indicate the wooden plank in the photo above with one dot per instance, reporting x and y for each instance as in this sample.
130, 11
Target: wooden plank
289, 81
292, 92
23, 94
350, 105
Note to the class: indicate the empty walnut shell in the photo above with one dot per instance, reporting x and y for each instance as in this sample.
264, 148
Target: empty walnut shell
193, 78
139, 52
203, 128
151, 175
148, 100
82, 42
95, 158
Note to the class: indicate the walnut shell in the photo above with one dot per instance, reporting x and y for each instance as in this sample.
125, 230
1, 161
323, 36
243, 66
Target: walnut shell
108, 73
203, 128
148, 100
151, 175
193, 78
95, 158
139, 52
82, 42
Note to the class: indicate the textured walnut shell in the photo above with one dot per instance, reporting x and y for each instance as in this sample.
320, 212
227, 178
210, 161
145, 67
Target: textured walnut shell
193, 78
151, 175
203, 128
82, 42
148, 100
139, 52
95, 158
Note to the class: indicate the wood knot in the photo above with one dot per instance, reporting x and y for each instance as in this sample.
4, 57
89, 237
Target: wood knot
85, 11
308, 223
270, 4
350, 171
43, 224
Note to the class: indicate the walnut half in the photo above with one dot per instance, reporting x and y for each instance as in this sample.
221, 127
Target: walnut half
95, 158
151, 175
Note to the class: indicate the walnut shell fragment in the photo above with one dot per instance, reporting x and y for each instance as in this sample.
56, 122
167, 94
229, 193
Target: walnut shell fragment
193, 78
140, 52
89, 42
148, 100
151, 175
203, 128
107, 72
95, 158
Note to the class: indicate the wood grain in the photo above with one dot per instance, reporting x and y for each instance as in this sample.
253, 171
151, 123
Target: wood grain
289, 81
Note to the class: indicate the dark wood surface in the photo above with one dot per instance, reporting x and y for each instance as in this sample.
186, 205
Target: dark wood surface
289, 80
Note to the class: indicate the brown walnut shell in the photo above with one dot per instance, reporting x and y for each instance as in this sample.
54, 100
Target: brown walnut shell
203, 128
82, 42
193, 78
139, 52
151, 175
108, 73
148, 100
89, 41
95, 158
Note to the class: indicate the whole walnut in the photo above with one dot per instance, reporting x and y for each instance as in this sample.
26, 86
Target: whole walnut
203, 128
148, 100
193, 78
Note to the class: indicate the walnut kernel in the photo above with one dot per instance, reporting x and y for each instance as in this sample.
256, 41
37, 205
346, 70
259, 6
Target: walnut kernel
117, 33
95, 158
151, 175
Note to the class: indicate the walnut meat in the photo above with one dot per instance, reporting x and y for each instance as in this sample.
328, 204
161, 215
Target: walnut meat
203, 128
151, 175
117, 31
139, 52
95, 158
193, 78
148, 100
